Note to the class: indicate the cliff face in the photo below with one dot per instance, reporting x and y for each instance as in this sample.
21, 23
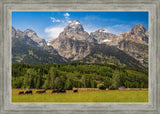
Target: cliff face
138, 34
103, 37
73, 43
32, 34
135, 43
137, 50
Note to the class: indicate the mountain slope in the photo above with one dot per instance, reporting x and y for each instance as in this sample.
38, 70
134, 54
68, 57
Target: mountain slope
24, 53
136, 50
27, 50
32, 34
137, 34
111, 55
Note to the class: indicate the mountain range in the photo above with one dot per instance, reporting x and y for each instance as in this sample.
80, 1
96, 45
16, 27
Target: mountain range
74, 44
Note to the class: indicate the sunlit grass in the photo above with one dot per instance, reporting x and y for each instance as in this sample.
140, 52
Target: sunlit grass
84, 96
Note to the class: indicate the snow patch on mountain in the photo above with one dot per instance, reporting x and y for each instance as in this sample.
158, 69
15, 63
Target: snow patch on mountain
77, 23
48, 43
106, 40
74, 23
100, 30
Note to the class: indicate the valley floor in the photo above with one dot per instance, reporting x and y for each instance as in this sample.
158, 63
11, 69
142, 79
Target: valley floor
127, 95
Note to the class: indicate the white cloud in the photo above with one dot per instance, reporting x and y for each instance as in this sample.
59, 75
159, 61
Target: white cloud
66, 14
58, 20
53, 32
67, 18
55, 20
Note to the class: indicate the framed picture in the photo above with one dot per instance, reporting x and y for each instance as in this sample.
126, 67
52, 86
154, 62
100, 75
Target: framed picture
79, 56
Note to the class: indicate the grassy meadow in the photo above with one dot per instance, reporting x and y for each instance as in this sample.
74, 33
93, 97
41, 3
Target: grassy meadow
127, 95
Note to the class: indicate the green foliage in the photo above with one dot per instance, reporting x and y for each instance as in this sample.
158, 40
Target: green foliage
113, 87
79, 75
116, 80
101, 86
68, 84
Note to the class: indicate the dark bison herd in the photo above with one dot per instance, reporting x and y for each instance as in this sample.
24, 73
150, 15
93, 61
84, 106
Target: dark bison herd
27, 92
43, 91
58, 91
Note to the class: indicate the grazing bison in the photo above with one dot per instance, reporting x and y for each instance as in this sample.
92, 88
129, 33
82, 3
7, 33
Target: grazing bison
41, 91
21, 93
55, 91
28, 92
75, 91
62, 91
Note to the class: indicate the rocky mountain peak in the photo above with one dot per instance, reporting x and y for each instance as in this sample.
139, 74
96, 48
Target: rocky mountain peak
101, 30
74, 31
29, 37
19, 31
139, 28
137, 34
75, 22
13, 32
102, 36
13, 29
73, 43
19, 34
30, 33
74, 26
33, 35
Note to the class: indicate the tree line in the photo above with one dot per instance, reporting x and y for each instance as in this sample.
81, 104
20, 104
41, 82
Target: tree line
78, 75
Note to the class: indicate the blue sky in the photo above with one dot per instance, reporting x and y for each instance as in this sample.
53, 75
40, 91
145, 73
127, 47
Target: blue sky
49, 24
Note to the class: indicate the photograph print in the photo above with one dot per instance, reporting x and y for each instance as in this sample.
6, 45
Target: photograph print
80, 56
